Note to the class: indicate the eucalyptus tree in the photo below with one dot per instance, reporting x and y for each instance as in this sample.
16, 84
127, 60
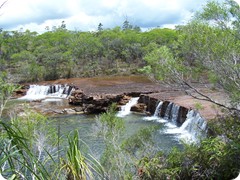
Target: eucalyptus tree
207, 49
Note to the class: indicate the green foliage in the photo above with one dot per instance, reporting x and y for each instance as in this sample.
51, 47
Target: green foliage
211, 41
6, 90
212, 159
121, 153
111, 121
163, 65
29, 151
207, 49
60, 53
36, 128
76, 165
111, 129
198, 106
19, 159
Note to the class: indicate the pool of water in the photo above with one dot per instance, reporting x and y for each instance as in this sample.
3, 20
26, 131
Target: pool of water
86, 125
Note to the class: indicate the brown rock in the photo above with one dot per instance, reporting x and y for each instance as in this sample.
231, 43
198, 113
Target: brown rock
140, 107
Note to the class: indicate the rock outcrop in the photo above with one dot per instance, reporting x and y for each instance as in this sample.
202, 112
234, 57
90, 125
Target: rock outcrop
97, 103
21, 92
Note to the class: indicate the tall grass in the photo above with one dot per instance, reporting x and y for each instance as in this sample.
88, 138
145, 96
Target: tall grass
76, 163
20, 159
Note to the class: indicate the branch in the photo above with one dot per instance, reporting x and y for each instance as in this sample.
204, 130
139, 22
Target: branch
207, 98
3, 4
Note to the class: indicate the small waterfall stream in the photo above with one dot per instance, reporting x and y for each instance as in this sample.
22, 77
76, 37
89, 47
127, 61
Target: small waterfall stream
156, 114
39, 92
175, 113
192, 130
126, 109
158, 109
168, 113
195, 125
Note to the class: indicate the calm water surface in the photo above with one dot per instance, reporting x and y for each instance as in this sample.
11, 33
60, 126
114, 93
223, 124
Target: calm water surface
133, 123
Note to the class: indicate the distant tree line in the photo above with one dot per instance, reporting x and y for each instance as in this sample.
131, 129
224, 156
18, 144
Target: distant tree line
61, 53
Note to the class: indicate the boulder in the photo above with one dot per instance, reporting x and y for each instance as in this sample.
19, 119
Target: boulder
79, 109
69, 111
76, 97
124, 100
140, 107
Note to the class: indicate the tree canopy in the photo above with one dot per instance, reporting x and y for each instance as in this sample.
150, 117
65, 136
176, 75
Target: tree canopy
60, 53
206, 51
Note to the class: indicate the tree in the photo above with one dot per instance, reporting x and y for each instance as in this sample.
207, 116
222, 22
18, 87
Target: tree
100, 27
127, 25
207, 49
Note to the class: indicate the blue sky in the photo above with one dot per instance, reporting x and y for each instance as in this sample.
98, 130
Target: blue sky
85, 15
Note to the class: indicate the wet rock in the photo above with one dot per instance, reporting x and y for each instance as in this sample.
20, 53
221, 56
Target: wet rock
140, 107
79, 109
69, 111
124, 100
21, 92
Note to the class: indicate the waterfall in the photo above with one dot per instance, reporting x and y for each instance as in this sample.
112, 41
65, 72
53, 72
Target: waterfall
155, 116
168, 111
174, 113
126, 109
39, 92
158, 109
192, 130
195, 125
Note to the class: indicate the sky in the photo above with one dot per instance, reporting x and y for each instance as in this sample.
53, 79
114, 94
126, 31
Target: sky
85, 15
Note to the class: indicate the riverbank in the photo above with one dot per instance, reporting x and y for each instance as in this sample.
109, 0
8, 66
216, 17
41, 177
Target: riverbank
115, 85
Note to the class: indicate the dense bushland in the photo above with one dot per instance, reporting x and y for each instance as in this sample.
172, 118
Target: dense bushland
60, 53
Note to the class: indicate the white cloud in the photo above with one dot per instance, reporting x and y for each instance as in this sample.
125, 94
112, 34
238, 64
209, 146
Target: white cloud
238, 1
35, 15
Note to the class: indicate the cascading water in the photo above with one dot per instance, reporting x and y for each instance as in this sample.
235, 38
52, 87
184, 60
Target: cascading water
155, 116
195, 125
39, 92
158, 109
168, 111
175, 113
126, 109
192, 130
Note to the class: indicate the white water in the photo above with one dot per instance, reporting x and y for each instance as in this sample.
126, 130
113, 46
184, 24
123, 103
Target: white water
126, 109
158, 109
174, 113
155, 116
168, 111
41, 92
192, 130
